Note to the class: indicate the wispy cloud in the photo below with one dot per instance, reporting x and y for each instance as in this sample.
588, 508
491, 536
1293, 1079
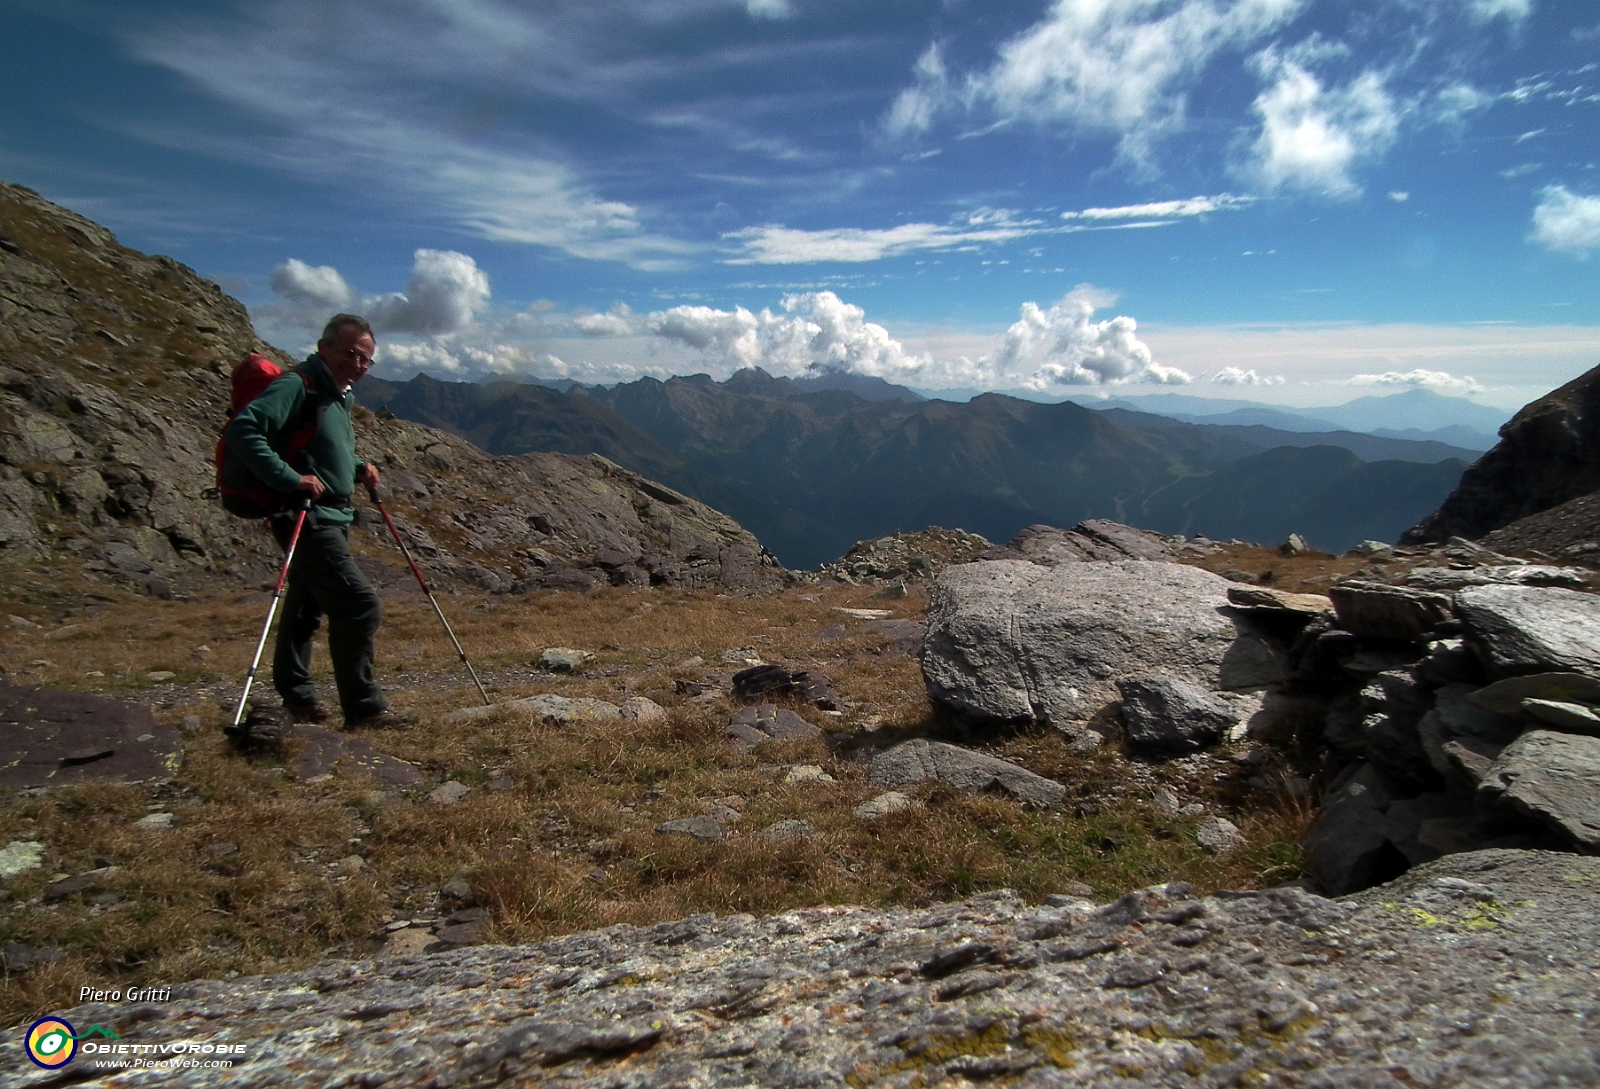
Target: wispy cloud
1123, 69
1167, 209
778, 245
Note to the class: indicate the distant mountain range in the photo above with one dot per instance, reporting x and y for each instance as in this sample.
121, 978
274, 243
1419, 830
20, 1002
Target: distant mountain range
813, 465
1417, 415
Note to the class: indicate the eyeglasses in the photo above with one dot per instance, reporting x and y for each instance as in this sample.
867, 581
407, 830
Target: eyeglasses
356, 356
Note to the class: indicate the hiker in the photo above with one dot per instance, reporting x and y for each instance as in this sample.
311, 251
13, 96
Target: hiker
323, 577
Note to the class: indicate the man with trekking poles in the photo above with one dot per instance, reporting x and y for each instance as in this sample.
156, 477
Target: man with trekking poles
297, 444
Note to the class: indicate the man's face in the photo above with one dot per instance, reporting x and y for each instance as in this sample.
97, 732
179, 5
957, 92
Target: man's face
349, 355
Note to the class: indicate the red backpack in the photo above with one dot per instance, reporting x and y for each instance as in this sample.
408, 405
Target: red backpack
244, 493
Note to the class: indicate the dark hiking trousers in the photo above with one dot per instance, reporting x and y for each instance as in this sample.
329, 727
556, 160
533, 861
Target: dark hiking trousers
325, 581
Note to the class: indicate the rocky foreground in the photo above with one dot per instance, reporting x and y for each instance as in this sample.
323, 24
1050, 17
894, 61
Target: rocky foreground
1478, 970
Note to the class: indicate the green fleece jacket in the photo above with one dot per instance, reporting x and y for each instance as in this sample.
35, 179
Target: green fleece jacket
267, 423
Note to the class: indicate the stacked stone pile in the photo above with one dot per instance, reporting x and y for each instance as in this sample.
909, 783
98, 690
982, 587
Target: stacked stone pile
1457, 711
1462, 721
905, 556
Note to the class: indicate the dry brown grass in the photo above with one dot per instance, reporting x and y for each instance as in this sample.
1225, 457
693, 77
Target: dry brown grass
572, 844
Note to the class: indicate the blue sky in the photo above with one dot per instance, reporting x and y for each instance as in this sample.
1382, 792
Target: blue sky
1292, 201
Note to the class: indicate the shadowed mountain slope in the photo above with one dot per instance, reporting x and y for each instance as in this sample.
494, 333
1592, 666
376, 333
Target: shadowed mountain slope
813, 471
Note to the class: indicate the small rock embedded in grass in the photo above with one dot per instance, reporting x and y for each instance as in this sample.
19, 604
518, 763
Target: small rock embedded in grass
223, 850
349, 866
190, 724
156, 820
448, 792
501, 782
160, 676
789, 830
889, 802
1219, 836
563, 659
20, 856
701, 828
807, 773
20, 621
458, 890
642, 709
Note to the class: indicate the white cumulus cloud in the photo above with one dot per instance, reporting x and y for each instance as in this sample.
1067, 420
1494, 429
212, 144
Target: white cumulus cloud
1313, 136
1438, 381
1235, 376
1044, 349
316, 292
1063, 346
817, 330
1566, 222
619, 321
446, 290
446, 293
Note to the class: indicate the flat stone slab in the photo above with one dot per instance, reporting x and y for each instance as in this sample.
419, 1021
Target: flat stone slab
1343, 992
1531, 574
1505, 697
1378, 610
1009, 640
920, 759
1554, 777
752, 726
50, 738
322, 751
1264, 597
1531, 629
1571, 718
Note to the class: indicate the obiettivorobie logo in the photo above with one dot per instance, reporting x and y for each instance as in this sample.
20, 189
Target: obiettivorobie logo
52, 1042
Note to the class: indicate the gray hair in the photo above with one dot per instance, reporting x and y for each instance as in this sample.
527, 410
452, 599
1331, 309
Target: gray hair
330, 331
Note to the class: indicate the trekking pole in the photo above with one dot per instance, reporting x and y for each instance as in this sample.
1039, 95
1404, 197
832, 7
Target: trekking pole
426, 589
277, 596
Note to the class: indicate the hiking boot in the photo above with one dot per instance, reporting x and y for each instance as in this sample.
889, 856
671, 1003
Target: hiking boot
264, 730
308, 712
383, 720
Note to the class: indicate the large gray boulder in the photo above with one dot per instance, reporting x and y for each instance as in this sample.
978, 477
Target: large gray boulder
919, 759
1009, 640
1533, 629
1475, 971
1553, 777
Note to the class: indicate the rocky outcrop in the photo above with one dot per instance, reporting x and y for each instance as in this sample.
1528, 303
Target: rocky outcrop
1010, 641
1428, 978
1094, 540
1548, 454
114, 380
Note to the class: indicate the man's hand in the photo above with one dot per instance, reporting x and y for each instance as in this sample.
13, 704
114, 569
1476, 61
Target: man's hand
313, 484
367, 475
